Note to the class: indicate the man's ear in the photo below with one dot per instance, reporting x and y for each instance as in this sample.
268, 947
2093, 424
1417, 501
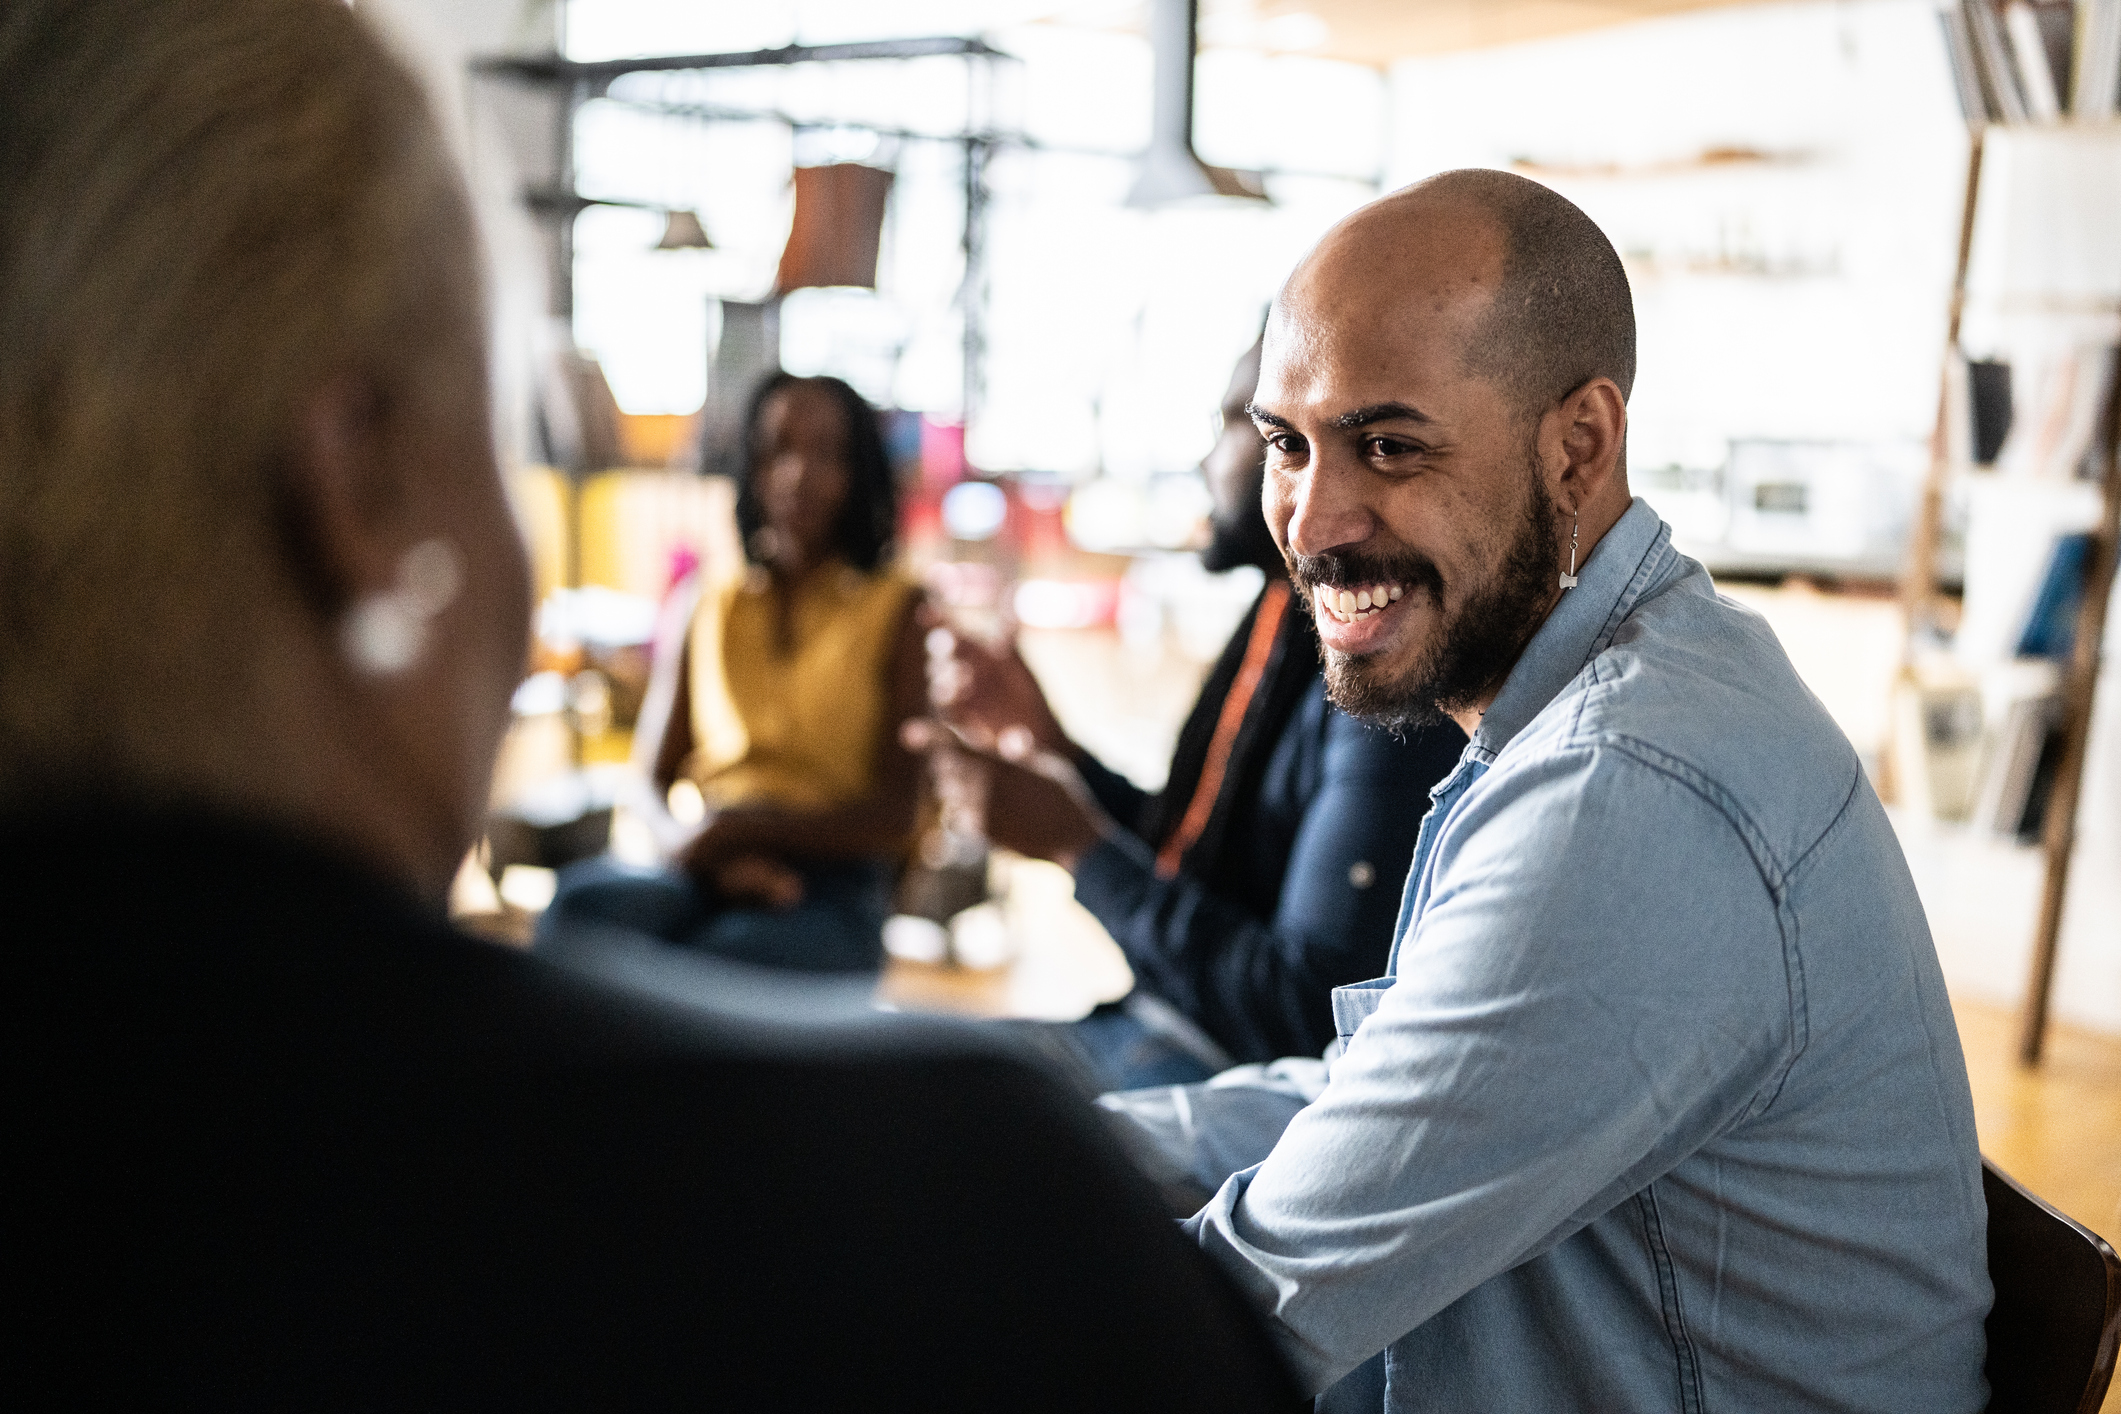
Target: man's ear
1581, 441
340, 488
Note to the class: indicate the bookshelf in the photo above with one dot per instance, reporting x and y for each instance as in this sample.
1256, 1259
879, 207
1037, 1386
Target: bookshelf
2027, 69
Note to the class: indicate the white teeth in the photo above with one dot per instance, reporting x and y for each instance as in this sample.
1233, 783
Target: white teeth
1348, 605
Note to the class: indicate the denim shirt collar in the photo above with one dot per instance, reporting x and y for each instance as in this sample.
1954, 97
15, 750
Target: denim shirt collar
1632, 558
1627, 562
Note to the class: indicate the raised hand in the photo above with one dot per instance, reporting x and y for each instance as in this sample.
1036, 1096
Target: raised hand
1020, 797
984, 693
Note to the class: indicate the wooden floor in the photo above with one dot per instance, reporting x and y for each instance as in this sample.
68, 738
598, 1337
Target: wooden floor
2056, 1128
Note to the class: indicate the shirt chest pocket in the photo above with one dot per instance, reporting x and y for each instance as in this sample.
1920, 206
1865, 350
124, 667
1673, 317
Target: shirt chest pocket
1353, 1004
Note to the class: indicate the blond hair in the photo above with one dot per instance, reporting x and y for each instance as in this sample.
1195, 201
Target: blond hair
207, 208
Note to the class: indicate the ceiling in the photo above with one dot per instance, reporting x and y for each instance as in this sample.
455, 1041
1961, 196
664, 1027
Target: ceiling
1380, 31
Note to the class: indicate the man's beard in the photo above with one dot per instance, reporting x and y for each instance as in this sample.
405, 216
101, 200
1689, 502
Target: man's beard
1475, 644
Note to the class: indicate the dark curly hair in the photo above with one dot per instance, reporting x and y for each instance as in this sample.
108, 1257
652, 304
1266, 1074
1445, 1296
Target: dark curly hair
869, 518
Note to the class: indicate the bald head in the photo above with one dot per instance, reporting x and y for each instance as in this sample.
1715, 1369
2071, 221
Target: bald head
1533, 292
1443, 395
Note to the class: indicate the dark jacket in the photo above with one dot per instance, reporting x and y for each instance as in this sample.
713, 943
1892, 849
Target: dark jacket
278, 1137
1294, 885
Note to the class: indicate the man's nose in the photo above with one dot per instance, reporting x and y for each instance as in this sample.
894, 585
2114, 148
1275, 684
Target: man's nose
1326, 512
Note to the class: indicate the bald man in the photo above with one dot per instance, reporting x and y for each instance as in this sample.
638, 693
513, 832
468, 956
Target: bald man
1661, 1105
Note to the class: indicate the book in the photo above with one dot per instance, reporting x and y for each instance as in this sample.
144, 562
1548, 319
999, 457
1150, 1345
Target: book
1974, 103
2029, 56
2055, 437
2012, 761
1989, 408
2040, 789
2095, 76
2057, 20
2051, 624
1998, 68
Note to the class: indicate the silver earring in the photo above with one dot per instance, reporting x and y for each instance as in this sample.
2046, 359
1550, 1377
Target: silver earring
1568, 581
384, 633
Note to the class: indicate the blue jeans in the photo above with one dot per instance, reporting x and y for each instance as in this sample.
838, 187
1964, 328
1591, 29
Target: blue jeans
1124, 1054
838, 926
1135, 1043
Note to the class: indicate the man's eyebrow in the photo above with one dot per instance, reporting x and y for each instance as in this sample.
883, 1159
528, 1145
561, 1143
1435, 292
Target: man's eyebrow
1348, 421
1260, 414
1380, 412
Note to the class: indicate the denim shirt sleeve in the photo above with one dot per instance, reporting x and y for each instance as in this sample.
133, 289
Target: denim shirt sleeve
1558, 1037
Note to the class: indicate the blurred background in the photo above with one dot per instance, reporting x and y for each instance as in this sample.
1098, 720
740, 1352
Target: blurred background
1876, 254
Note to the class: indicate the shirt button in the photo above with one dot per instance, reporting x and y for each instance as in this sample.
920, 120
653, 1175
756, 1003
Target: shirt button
1361, 875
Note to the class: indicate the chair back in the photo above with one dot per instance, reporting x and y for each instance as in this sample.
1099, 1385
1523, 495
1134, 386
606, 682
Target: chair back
2057, 1319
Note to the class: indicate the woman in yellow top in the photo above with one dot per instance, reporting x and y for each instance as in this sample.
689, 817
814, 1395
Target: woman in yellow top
792, 684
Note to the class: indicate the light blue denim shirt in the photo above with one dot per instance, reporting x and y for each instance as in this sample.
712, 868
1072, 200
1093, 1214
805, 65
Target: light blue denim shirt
1663, 1107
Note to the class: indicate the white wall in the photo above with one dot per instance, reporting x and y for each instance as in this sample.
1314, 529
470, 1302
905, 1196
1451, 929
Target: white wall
1798, 297
500, 133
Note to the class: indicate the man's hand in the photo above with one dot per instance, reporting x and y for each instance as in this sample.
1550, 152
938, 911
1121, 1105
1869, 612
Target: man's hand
983, 692
757, 879
724, 835
724, 855
1022, 798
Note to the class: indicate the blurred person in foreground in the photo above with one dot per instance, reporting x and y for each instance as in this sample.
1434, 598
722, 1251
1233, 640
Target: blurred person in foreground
1262, 876
782, 703
1660, 1102
277, 1136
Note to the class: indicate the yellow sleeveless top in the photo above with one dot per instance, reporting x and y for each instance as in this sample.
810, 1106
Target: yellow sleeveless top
797, 727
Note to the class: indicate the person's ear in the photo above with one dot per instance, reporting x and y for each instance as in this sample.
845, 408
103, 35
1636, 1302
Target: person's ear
342, 484
1580, 443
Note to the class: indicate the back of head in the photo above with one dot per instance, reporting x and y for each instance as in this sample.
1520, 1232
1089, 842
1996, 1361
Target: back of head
205, 209
1564, 313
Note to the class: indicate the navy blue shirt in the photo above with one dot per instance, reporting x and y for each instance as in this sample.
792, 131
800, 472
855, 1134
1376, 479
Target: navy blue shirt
1302, 895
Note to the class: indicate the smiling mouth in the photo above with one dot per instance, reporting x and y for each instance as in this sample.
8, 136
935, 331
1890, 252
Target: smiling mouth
1361, 602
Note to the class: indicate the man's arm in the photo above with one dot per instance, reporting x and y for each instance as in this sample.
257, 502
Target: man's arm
1597, 987
1262, 986
1123, 800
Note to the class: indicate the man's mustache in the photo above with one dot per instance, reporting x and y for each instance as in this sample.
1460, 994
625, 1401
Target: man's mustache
1353, 571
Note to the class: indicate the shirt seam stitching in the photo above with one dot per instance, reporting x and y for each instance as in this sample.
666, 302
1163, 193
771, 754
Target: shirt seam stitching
1792, 930
1691, 1398
1812, 850
1765, 862
1772, 875
1631, 594
1800, 1008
